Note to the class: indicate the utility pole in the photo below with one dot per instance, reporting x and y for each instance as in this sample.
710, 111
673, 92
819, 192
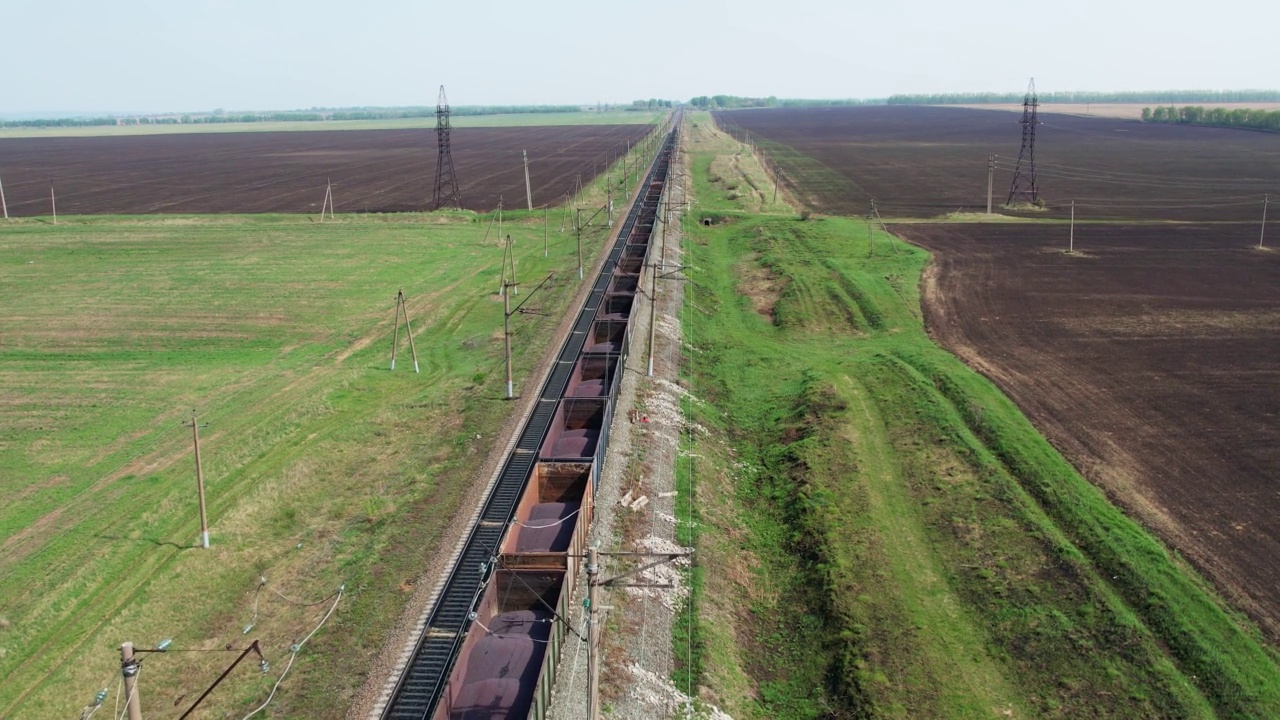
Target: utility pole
622, 182
204, 521
578, 225
871, 239
592, 608
653, 283
328, 200
1262, 235
129, 669
53, 202
528, 189
402, 306
876, 212
488, 228
653, 308
507, 312
991, 176
508, 260
506, 335
666, 220
3, 204
1071, 244
593, 636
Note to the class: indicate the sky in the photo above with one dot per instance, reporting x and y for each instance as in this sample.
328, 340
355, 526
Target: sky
142, 56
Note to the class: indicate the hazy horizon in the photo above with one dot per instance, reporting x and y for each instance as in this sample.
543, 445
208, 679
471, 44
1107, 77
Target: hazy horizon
149, 57
612, 105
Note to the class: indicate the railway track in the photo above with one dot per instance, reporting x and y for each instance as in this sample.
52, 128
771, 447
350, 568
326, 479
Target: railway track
491, 642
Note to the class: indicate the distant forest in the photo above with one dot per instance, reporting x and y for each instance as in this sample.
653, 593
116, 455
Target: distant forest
312, 115
1159, 96
1214, 116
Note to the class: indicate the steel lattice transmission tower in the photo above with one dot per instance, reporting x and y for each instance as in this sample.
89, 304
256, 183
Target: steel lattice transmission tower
1023, 188
447, 193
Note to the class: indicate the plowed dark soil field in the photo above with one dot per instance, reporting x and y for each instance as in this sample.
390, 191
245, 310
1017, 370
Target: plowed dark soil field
372, 170
1151, 359
928, 161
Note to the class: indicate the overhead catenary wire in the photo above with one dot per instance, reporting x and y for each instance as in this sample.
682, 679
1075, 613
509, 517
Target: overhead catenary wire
1120, 174
494, 633
1188, 185
547, 525
1104, 203
129, 697
303, 603
101, 696
119, 688
577, 655
297, 648
495, 560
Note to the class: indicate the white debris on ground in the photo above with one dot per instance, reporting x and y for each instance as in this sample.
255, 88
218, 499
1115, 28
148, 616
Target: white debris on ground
666, 700
664, 410
669, 573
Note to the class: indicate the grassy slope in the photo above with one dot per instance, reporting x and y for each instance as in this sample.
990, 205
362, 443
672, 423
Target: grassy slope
321, 466
883, 534
460, 121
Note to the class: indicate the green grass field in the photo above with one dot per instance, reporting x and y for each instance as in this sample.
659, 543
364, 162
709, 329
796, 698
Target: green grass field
881, 533
460, 121
322, 467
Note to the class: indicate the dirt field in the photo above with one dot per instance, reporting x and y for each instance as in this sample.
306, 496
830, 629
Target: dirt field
1123, 111
920, 161
372, 171
1150, 359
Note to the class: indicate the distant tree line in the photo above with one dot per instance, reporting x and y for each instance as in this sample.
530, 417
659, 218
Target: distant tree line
725, 102
312, 115
1215, 116
1163, 96
649, 105
729, 102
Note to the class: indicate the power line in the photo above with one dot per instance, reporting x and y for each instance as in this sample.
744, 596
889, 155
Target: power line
1139, 176
297, 648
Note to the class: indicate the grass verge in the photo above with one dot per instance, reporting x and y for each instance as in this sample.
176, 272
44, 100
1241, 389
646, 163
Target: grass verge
882, 534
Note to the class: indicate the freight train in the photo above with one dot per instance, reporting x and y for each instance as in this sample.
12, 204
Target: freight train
491, 644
